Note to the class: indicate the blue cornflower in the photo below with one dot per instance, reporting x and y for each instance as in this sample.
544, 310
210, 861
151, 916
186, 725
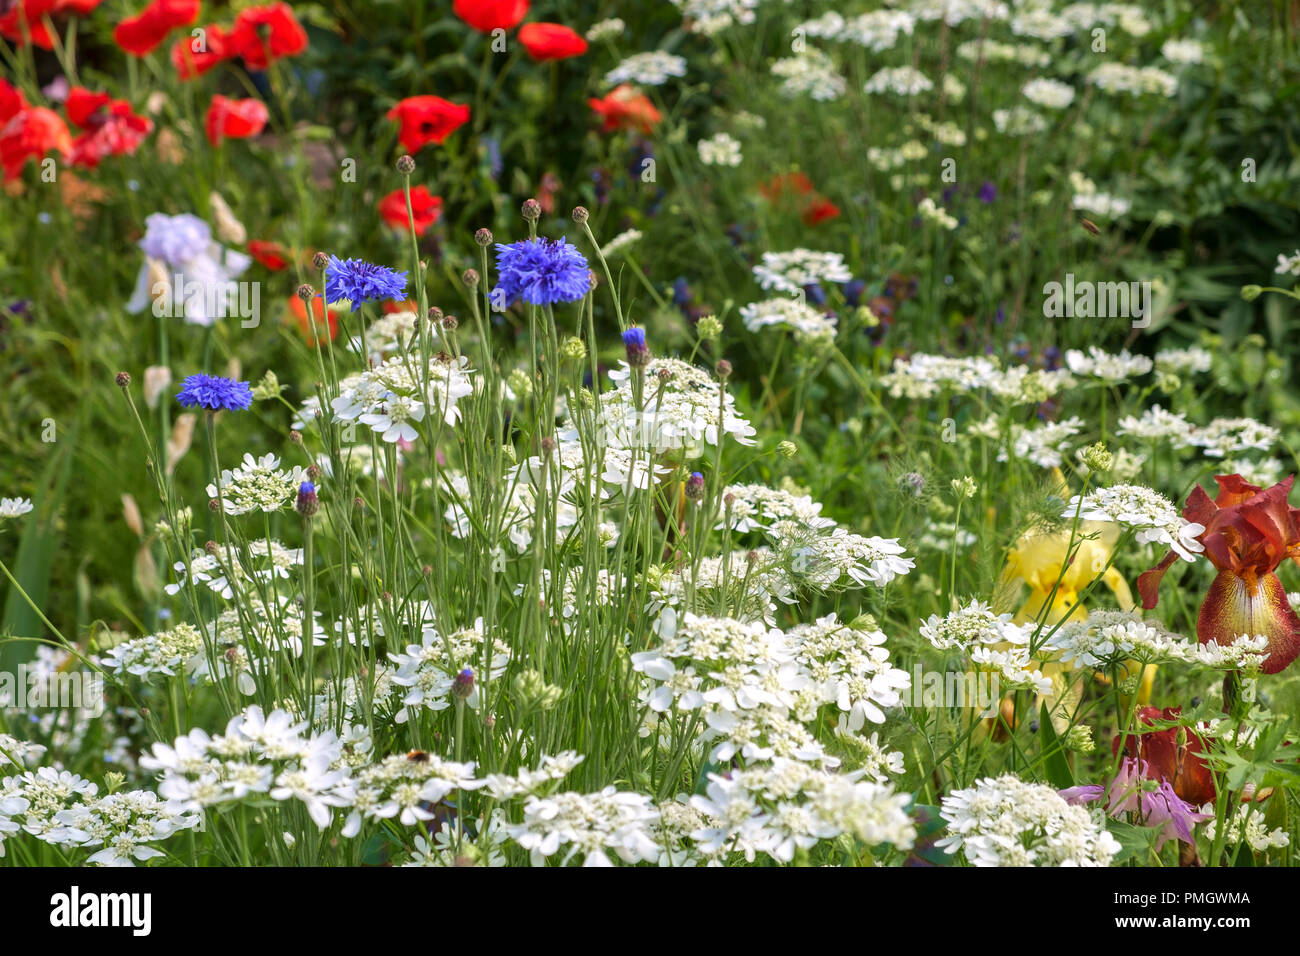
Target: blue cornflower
215, 393
359, 281
638, 353
988, 192
541, 272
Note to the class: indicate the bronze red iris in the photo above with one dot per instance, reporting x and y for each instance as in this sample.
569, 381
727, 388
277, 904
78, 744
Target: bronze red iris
1249, 531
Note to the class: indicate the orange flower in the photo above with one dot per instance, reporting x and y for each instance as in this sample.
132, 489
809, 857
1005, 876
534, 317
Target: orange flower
272, 255
12, 101
235, 119
797, 189
551, 41
111, 127
1248, 533
426, 207
624, 108
30, 134
489, 15
262, 35
140, 34
194, 56
427, 119
27, 19
315, 331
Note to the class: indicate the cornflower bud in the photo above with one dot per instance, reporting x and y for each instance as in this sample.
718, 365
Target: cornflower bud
695, 487
307, 503
638, 353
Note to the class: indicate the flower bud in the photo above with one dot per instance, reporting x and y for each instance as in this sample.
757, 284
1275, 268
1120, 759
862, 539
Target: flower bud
405, 165
1251, 292
483, 237
580, 214
1097, 458
320, 260
638, 353
306, 292
307, 503
708, 327
724, 369
531, 209
463, 685
123, 379
695, 487
470, 278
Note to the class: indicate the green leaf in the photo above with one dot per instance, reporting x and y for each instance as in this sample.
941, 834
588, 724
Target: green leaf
1054, 762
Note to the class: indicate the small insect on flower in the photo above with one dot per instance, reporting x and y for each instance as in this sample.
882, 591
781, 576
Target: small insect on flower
214, 393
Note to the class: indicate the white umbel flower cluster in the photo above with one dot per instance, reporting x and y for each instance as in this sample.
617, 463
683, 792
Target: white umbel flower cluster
394, 397
1147, 512
1004, 821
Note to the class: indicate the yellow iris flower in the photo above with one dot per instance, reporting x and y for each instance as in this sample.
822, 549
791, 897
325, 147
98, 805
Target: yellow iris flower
1038, 559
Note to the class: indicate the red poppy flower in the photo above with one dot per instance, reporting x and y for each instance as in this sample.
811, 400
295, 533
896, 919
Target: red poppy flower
391, 307
30, 134
141, 34
234, 119
11, 101
489, 15
26, 21
797, 188
270, 254
110, 127
194, 55
1175, 754
425, 206
427, 119
262, 35
551, 41
624, 108
1248, 533
819, 210
778, 186
320, 330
